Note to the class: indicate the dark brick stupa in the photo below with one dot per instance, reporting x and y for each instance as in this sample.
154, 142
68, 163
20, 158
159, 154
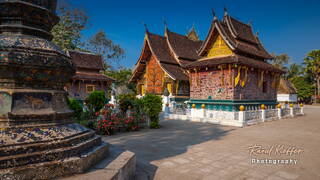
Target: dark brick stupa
38, 140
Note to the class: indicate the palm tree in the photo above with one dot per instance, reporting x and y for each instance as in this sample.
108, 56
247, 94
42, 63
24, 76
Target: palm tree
312, 62
294, 70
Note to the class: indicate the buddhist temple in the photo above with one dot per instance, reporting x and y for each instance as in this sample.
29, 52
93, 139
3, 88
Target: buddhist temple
88, 77
160, 65
225, 70
232, 69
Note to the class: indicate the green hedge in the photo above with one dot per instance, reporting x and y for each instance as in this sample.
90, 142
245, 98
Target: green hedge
152, 106
76, 107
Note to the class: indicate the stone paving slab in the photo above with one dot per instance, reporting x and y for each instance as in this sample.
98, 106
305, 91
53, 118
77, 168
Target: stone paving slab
190, 150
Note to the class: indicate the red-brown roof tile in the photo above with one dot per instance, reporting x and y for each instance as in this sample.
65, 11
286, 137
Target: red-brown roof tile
159, 46
176, 72
86, 60
92, 76
182, 46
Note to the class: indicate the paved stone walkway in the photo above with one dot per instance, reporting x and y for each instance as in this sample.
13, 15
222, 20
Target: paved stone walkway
189, 150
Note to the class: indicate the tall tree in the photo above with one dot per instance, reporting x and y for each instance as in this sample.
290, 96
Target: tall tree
67, 33
294, 70
280, 60
304, 88
101, 44
312, 62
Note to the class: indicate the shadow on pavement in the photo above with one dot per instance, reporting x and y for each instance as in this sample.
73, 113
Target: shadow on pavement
173, 138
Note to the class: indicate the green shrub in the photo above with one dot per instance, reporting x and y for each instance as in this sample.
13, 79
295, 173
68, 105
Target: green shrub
76, 107
126, 100
138, 106
154, 125
152, 106
96, 101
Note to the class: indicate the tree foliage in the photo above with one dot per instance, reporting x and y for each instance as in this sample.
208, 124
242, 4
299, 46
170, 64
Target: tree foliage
280, 60
67, 33
101, 44
312, 62
122, 77
294, 70
304, 88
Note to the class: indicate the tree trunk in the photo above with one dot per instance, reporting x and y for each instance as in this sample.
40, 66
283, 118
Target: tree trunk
318, 88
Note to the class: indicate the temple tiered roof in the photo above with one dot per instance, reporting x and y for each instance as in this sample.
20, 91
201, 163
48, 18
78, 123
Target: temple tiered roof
238, 36
183, 47
176, 52
172, 51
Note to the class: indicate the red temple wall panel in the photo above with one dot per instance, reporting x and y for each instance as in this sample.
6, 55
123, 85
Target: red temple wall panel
214, 83
219, 84
154, 77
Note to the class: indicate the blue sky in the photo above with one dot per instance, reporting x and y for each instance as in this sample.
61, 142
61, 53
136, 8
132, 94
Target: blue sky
284, 26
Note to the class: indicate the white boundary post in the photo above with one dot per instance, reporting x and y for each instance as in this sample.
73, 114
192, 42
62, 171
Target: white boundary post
203, 111
263, 112
242, 115
279, 111
301, 109
193, 110
291, 110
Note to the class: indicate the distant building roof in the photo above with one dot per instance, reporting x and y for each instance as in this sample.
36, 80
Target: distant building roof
286, 87
89, 61
92, 76
86, 60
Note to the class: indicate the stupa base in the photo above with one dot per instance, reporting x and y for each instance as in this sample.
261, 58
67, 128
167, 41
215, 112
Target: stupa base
59, 168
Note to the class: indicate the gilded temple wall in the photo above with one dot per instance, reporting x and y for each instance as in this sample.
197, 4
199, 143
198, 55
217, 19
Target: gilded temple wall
219, 48
253, 90
214, 83
223, 85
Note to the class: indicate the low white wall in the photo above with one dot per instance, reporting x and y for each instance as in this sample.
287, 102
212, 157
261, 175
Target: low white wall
231, 118
287, 97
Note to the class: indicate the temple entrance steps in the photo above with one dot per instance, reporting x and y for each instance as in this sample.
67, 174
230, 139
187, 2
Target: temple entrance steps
120, 164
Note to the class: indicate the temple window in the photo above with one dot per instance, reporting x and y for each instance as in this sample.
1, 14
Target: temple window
90, 88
